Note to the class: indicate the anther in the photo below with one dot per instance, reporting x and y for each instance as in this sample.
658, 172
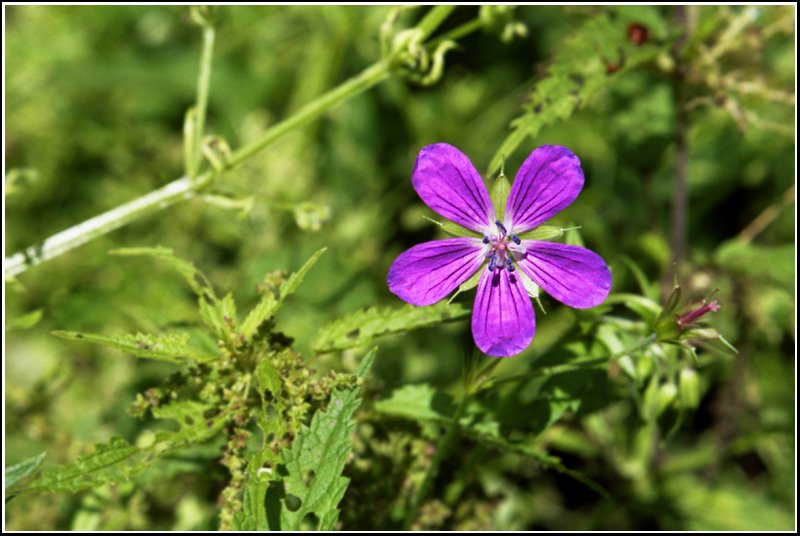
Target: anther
486, 240
515, 239
501, 227
509, 265
492, 262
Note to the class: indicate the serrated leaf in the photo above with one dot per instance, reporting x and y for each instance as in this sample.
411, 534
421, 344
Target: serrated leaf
114, 461
169, 347
194, 426
17, 472
218, 315
316, 459
194, 277
268, 378
269, 304
585, 63
360, 328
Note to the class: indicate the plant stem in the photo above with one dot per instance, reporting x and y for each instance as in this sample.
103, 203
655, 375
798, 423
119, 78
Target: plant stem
680, 191
371, 76
441, 449
185, 187
97, 226
203, 82
433, 19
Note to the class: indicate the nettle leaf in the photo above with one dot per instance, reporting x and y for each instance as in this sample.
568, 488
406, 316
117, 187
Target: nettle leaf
114, 461
218, 315
271, 301
169, 347
194, 424
17, 472
360, 328
314, 484
194, 277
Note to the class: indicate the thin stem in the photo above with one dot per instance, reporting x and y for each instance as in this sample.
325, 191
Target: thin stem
459, 32
368, 78
106, 222
203, 82
441, 449
185, 187
769, 215
680, 191
433, 19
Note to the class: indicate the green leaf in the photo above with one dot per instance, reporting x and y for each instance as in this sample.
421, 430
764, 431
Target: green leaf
169, 347
253, 516
360, 328
270, 303
218, 315
453, 229
317, 458
499, 195
194, 426
17, 472
194, 277
114, 461
25, 321
543, 232
417, 402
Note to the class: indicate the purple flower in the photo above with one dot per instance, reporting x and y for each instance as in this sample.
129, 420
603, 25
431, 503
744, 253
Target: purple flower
503, 322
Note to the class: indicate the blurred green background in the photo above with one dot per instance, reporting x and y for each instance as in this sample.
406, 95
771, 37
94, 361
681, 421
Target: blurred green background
95, 99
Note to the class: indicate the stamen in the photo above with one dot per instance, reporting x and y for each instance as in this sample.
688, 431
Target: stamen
501, 227
509, 265
486, 240
515, 239
492, 262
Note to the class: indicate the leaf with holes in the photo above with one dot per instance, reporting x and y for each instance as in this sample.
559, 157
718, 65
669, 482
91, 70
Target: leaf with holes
314, 484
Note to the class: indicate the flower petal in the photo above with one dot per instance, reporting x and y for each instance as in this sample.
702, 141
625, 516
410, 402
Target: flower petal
428, 272
573, 275
503, 323
448, 183
548, 181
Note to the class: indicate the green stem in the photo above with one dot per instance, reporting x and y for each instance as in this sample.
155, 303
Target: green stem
459, 32
185, 187
97, 226
368, 78
441, 449
433, 19
203, 82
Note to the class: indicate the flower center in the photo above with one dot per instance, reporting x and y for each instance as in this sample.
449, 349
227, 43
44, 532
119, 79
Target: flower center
502, 249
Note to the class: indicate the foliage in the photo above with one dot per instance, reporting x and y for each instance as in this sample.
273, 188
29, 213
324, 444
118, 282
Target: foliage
177, 138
